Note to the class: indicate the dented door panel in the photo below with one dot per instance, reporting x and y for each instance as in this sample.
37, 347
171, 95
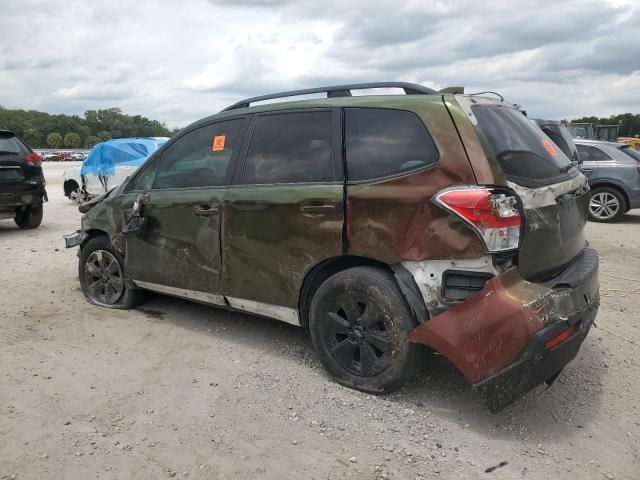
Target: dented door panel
272, 239
180, 246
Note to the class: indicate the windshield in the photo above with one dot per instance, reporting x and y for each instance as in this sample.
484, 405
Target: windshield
635, 154
9, 144
525, 154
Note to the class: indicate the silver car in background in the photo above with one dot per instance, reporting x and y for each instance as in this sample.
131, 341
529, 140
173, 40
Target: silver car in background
613, 170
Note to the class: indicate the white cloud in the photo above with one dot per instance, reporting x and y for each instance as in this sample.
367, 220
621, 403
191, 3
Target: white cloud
180, 61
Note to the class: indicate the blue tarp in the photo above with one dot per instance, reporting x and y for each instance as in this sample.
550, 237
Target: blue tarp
104, 157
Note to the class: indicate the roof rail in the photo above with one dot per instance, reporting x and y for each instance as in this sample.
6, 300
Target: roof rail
336, 91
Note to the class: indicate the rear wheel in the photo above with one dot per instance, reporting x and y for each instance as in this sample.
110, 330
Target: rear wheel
359, 322
101, 272
29, 218
606, 205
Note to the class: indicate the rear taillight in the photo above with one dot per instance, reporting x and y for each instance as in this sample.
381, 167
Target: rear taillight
33, 159
491, 213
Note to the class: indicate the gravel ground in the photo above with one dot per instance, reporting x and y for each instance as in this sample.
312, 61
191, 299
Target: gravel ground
175, 389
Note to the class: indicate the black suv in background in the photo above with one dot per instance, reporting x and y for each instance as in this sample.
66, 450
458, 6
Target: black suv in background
22, 182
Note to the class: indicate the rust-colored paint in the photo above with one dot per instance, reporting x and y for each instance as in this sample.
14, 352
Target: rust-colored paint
393, 220
488, 331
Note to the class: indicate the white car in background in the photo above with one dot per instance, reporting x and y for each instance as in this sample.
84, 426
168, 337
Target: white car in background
108, 164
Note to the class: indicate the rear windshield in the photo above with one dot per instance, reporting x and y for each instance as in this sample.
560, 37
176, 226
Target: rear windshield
10, 145
525, 154
635, 154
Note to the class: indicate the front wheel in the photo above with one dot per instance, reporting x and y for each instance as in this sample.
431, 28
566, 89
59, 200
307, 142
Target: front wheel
101, 272
358, 323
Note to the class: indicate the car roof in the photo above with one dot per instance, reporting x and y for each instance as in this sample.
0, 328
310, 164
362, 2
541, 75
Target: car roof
540, 121
600, 142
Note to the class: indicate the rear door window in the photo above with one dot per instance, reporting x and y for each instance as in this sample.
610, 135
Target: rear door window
11, 145
380, 143
592, 154
290, 148
525, 154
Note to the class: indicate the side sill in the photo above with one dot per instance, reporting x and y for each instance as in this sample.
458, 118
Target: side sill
284, 314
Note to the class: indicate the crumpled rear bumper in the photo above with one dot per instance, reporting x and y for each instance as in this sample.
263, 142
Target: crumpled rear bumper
497, 337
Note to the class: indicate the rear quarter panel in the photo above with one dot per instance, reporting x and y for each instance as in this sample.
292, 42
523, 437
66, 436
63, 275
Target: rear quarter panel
393, 219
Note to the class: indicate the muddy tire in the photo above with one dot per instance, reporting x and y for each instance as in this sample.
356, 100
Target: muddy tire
358, 323
606, 205
101, 272
30, 218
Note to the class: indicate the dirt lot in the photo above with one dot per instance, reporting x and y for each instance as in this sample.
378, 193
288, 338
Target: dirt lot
175, 389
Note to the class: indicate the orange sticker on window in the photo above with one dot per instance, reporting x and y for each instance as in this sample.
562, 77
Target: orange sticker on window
218, 143
549, 147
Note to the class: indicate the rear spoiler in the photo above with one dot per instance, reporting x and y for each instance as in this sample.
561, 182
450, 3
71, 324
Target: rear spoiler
453, 90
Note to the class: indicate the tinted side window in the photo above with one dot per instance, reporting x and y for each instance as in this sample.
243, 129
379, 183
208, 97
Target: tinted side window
290, 148
385, 142
201, 158
598, 155
591, 154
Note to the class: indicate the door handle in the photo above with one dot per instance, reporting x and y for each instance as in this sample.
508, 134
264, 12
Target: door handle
204, 210
586, 170
318, 208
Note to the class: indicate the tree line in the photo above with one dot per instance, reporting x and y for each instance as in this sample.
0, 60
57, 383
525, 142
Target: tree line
41, 130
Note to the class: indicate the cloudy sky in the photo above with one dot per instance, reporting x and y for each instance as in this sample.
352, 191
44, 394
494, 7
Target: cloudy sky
177, 61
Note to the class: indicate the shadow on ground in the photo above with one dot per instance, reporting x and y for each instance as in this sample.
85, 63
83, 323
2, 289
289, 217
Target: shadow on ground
439, 388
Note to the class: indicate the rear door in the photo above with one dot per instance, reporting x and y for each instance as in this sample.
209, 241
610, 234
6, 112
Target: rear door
555, 195
179, 251
284, 213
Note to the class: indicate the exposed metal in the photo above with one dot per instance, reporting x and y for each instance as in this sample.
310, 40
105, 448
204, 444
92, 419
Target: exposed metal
335, 91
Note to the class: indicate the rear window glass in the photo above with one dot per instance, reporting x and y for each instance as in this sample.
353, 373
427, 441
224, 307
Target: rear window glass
9, 144
380, 143
525, 154
635, 154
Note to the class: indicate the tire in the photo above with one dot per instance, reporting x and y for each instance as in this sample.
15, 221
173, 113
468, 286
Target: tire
101, 272
606, 205
358, 323
30, 218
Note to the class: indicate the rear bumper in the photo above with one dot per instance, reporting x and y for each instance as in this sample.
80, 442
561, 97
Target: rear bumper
29, 192
494, 337
537, 364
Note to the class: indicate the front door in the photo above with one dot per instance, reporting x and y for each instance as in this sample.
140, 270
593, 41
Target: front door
179, 251
285, 212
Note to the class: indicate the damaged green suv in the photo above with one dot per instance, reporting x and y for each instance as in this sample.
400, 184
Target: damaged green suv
379, 222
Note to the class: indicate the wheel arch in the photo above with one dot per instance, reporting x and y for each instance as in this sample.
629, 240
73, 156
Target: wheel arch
325, 269
69, 186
